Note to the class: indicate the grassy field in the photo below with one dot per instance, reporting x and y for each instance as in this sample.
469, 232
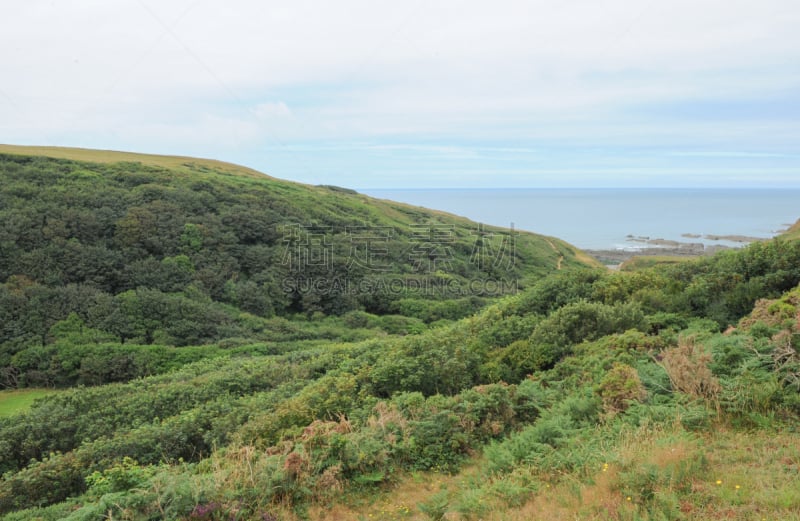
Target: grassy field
670, 474
111, 156
17, 401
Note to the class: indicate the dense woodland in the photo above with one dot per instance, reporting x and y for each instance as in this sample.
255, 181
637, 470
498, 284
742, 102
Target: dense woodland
132, 259
194, 388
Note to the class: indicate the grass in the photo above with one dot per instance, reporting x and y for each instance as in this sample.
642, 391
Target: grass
792, 233
651, 474
406, 499
17, 401
112, 156
648, 261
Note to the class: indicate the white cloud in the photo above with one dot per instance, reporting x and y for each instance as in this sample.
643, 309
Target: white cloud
236, 73
272, 110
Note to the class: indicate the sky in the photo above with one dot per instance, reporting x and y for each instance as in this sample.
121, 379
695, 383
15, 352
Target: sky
418, 93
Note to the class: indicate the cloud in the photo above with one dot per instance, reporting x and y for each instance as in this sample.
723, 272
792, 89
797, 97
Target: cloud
272, 110
423, 76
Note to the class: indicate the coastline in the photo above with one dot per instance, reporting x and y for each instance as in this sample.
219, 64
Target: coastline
646, 247
599, 219
688, 250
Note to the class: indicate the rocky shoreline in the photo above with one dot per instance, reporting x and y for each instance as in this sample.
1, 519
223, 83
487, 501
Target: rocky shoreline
669, 248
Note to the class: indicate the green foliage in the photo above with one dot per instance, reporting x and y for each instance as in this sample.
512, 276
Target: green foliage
430, 311
436, 507
165, 253
554, 337
558, 290
437, 362
471, 504
204, 390
619, 388
56, 512
536, 445
121, 477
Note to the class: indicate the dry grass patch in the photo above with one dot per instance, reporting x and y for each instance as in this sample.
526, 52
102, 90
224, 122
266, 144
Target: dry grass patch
651, 474
113, 156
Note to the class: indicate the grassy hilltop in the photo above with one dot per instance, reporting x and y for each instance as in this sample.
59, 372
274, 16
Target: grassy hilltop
192, 387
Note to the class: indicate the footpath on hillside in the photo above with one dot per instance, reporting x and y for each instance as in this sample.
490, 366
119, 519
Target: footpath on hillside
560, 257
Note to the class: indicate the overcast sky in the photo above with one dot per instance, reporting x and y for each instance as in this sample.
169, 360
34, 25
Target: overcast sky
418, 93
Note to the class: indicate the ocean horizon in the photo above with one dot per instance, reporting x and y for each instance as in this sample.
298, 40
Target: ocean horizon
613, 218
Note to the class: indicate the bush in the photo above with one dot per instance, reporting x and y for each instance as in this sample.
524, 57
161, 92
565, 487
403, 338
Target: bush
619, 388
528, 446
554, 336
688, 368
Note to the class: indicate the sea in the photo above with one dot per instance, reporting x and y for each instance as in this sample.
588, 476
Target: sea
617, 219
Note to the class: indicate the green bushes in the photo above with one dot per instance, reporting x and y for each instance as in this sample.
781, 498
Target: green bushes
64, 422
541, 443
407, 432
45, 482
437, 362
431, 310
64, 364
531, 444
726, 286
548, 392
233, 238
81, 355
619, 388
554, 337
410, 431
557, 291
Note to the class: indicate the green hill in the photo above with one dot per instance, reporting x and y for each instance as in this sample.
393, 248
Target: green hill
793, 232
157, 250
590, 395
670, 392
158, 207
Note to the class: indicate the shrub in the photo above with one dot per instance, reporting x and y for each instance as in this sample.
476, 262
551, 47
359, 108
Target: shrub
619, 388
530, 445
554, 336
123, 476
786, 358
688, 368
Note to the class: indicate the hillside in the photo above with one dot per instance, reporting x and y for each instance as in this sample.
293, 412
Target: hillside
591, 394
163, 251
179, 163
793, 233
156, 207
667, 392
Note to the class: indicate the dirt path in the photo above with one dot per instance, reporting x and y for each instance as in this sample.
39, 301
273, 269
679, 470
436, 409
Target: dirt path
560, 257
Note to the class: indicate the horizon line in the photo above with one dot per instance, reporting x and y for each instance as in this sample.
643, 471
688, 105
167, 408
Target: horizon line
791, 187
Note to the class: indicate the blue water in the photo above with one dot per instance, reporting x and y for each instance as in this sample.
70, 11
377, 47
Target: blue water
603, 218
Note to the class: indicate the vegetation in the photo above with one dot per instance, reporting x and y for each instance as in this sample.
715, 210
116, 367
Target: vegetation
668, 392
793, 232
641, 262
19, 400
107, 266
